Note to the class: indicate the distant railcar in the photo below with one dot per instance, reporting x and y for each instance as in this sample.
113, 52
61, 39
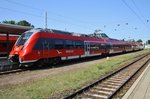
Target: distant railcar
3, 43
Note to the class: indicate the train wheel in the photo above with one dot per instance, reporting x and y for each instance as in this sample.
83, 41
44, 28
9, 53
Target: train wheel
124, 51
56, 60
39, 63
105, 54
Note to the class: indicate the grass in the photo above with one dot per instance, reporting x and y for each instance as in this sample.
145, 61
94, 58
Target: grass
61, 83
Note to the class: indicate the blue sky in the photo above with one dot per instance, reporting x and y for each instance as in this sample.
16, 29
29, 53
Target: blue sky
84, 16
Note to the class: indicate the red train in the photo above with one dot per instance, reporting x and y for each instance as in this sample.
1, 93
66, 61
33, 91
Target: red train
51, 46
3, 43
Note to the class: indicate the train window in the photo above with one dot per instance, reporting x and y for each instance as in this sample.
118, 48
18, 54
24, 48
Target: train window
115, 47
102, 46
79, 44
43, 43
58, 44
4, 45
51, 43
69, 44
39, 44
108, 46
94, 47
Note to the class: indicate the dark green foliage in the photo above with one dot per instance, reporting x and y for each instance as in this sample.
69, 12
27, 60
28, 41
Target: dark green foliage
140, 41
9, 22
24, 23
148, 42
21, 23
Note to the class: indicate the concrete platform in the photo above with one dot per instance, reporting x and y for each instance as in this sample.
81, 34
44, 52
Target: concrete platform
3, 61
3, 58
141, 87
5, 64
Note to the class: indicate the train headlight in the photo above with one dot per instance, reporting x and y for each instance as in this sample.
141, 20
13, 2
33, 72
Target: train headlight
16, 52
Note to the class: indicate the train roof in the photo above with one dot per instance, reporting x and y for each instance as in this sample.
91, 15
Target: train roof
94, 35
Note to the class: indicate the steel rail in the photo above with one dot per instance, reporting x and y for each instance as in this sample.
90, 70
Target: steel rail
80, 91
111, 96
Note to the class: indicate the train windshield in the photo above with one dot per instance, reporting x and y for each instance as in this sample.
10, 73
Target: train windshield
23, 38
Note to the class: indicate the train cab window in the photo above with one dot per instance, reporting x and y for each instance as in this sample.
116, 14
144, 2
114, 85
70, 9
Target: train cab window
23, 38
58, 44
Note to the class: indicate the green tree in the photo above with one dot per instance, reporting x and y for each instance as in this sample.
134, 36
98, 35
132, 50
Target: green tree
131, 40
9, 22
140, 41
24, 23
148, 42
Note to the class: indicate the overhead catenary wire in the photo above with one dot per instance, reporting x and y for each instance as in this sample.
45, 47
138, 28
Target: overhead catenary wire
57, 14
138, 9
135, 14
31, 14
54, 13
17, 11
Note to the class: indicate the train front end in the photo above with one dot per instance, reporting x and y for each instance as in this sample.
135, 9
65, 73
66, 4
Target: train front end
23, 48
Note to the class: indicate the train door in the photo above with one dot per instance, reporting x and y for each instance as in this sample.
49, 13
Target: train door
87, 48
45, 49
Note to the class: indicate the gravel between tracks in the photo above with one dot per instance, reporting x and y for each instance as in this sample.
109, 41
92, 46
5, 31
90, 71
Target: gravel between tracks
28, 76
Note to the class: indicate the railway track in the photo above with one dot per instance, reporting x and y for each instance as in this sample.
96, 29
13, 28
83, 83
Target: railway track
10, 69
108, 86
